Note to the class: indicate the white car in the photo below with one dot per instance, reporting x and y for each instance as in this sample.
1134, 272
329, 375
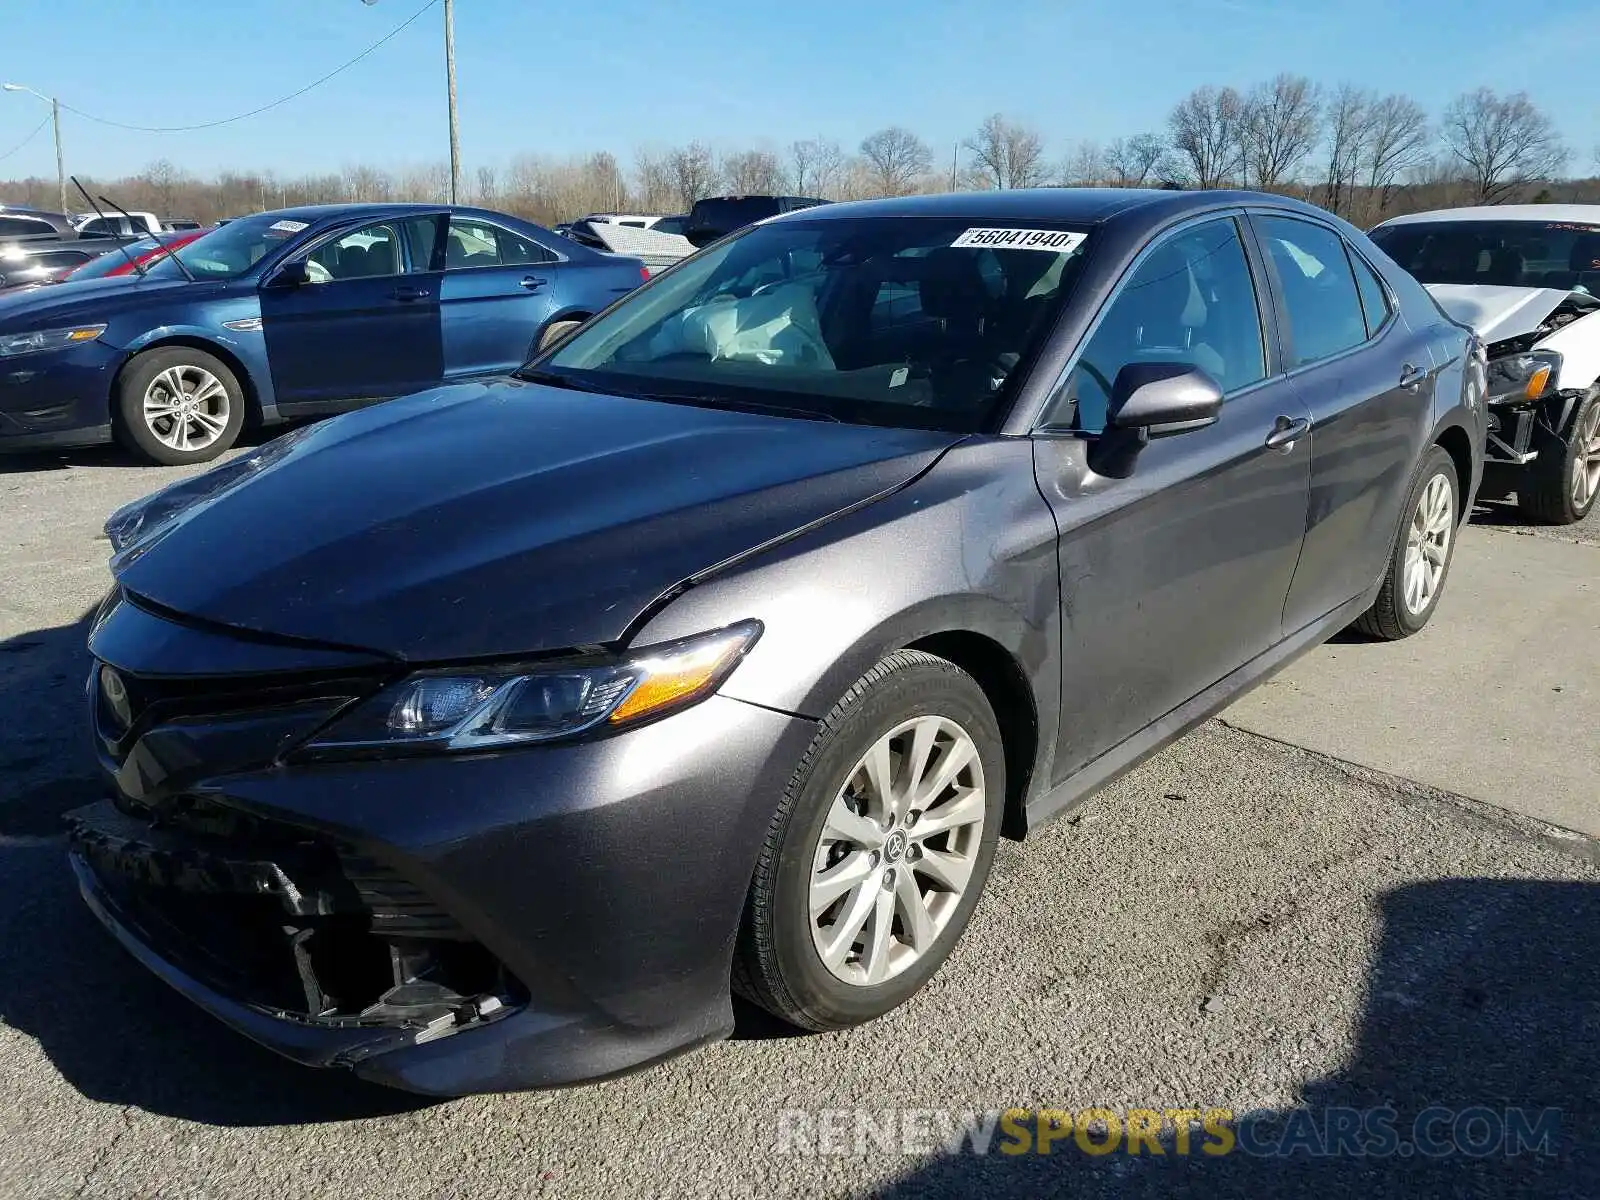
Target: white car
1526, 279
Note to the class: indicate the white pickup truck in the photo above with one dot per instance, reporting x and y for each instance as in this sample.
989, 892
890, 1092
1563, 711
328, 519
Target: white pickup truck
133, 224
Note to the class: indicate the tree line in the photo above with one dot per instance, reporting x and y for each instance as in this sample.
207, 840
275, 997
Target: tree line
1361, 153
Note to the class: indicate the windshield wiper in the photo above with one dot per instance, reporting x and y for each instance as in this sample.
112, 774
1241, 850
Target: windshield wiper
759, 406
551, 379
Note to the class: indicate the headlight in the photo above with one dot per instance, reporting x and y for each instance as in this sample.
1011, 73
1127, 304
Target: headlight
473, 709
12, 344
1522, 376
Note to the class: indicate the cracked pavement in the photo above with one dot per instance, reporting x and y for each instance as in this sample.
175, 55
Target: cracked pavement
1239, 923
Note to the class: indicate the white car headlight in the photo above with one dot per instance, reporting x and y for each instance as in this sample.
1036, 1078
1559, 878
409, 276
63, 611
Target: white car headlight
12, 344
485, 708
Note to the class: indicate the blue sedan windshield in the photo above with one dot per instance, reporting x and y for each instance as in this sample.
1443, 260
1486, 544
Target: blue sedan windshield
232, 249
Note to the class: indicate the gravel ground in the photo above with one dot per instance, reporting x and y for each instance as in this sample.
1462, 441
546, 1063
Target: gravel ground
1239, 924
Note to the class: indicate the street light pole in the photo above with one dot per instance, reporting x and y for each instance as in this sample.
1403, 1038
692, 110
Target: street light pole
55, 120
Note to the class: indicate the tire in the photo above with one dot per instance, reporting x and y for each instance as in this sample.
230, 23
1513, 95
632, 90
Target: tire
556, 331
1431, 516
1559, 487
779, 961
200, 381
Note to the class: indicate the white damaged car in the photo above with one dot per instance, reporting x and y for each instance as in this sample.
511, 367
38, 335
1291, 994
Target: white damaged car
1526, 278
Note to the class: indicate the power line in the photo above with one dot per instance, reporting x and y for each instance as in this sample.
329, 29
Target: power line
412, 19
25, 140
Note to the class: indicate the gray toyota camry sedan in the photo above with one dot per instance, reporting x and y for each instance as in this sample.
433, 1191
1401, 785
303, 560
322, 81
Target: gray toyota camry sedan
495, 737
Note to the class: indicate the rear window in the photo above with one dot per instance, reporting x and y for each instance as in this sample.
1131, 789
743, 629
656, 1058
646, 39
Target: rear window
24, 226
732, 213
1553, 254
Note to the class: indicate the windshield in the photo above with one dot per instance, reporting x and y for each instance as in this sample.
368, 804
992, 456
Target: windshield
909, 321
232, 249
1550, 254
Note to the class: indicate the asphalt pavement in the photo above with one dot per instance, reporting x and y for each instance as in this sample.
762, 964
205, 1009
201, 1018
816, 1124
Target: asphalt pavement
1242, 923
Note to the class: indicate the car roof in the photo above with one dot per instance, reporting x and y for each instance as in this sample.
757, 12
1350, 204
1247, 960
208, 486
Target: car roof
1078, 206
1545, 213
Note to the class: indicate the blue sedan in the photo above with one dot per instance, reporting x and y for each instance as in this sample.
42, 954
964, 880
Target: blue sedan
301, 312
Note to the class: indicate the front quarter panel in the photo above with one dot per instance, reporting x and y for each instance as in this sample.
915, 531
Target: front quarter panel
201, 320
969, 546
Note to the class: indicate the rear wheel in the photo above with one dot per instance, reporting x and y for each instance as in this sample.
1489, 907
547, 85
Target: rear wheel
178, 405
879, 849
1420, 561
1560, 485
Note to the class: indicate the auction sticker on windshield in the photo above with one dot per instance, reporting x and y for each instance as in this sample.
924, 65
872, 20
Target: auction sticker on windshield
287, 226
1057, 241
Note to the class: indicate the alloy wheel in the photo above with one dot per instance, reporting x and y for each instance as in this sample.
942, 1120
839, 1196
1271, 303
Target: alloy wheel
186, 408
897, 850
1586, 465
1428, 537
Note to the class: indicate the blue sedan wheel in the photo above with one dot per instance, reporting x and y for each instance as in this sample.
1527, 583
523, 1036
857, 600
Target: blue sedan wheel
178, 405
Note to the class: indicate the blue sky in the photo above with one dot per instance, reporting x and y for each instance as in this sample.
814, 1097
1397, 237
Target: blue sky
558, 78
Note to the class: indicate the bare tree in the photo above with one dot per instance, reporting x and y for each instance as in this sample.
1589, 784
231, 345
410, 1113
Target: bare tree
1009, 154
1349, 131
896, 159
693, 173
1399, 140
365, 184
1138, 160
753, 173
1282, 118
1504, 142
1206, 128
817, 165
488, 190
654, 183
163, 179
1085, 165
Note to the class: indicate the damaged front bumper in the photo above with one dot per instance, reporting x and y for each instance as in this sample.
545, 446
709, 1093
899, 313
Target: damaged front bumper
445, 924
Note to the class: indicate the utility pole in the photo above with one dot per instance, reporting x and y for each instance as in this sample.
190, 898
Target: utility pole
955, 165
450, 79
55, 120
450, 73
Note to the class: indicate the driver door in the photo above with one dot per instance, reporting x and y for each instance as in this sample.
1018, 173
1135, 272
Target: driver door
1174, 573
366, 326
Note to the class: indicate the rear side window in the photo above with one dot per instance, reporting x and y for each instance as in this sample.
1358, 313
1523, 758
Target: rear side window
480, 244
24, 227
1374, 297
1319, 290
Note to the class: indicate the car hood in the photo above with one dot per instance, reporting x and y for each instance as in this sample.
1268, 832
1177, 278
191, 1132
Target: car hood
41, 308
496, 519
1495, 312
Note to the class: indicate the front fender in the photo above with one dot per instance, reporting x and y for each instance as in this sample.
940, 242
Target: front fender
244, 350
969, 547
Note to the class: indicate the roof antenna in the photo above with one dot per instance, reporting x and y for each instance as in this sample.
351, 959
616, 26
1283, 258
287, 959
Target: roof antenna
132, 262
176, 261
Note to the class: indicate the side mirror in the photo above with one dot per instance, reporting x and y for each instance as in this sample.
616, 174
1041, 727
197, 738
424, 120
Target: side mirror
292, 274
1163, 398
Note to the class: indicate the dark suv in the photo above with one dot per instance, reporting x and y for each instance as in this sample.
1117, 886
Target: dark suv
717, 216
23, 225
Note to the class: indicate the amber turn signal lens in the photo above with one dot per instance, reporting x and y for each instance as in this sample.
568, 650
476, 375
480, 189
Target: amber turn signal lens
1536, 382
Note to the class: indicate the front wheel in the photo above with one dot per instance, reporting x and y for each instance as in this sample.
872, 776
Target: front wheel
879, 849
1420, 562
178, 405
1564, 480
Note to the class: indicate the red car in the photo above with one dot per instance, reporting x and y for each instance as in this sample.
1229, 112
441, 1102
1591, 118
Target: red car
138, 254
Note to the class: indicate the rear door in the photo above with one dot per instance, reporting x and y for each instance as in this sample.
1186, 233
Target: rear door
366, 327
1368, 382
1173, 575
499, 288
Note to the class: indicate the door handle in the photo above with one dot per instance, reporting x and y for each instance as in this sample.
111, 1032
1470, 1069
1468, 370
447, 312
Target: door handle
1411, 377
410, 293
1286, 432
533, 283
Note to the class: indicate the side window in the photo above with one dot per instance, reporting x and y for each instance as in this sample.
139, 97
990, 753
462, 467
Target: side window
1319, 291
372, 250
423, 233
24, 226
480, 244
1374, 297
1190, 301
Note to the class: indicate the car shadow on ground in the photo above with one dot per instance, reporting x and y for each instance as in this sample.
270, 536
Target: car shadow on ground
113, 1031
1484, 999
26, 462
